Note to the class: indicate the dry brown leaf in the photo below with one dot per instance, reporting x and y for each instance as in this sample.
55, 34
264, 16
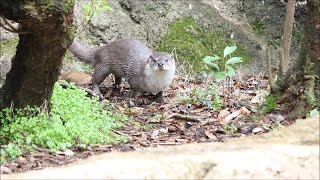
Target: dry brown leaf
242, 110
67, 152
163, 130
223, 113
257, 130
210, 135
154, 134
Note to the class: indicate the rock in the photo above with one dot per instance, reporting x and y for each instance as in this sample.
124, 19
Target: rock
4, 170
248, 127
289, 153
6, 35
276, 118
149, 20
76, 77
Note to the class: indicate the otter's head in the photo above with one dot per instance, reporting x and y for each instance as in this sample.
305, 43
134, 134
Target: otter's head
161, 61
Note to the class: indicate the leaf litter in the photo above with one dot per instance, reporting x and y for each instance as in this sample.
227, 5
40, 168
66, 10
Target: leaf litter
186, 115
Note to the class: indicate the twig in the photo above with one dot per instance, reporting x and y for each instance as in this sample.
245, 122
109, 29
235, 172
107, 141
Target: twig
41, 149
12, 28
165, 143
274, 87
85, 22
10, 24
89, 91
282, 63
183, 117
118, 132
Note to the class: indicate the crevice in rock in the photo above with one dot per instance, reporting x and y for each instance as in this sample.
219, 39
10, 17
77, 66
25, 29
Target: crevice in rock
207, 167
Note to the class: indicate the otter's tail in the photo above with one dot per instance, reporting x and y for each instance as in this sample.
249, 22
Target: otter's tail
82, 52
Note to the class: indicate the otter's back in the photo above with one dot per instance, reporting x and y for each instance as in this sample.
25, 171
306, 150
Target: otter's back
123, 57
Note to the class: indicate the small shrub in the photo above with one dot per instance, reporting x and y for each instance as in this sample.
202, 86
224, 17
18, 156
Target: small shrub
230, 129
74, 120
94, 8
223, 65
270, 104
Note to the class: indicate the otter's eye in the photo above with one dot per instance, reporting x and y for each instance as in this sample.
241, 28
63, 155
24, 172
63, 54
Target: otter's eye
154, 60
167, 60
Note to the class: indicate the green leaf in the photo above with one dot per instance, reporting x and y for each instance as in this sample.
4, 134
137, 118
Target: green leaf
211, 58
228, 50
219, 76
234, 60
214, 67
29, 139
107, 8
230, 71
86, 9
314, 113
208, 60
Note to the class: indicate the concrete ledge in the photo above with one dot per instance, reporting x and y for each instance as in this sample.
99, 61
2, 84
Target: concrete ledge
291, 153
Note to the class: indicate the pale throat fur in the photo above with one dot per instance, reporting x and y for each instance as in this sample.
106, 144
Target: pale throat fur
157, 77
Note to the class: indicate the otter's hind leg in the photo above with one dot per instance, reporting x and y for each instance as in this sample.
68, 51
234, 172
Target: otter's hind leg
117, 81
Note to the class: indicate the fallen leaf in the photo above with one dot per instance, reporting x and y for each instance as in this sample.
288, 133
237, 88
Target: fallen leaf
4, 170
210, 135
257, 130
154, 134
163, 130
223, 113
67, 152
172, 129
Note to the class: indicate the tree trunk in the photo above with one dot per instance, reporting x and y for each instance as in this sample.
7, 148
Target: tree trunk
286, 39
301, 85
38, 59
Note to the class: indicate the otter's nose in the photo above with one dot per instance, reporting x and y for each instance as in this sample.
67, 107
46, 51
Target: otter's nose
160, 64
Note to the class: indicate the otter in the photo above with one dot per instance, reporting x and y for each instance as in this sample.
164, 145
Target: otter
145, 70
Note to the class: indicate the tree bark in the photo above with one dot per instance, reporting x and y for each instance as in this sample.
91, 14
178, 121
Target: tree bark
301, 84
35, 67
286, 39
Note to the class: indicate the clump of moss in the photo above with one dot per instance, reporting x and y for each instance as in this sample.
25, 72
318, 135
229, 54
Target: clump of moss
192, 43
259, 27
270, 104
8, 47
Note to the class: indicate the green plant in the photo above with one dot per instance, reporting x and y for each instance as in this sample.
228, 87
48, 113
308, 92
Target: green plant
277, 126
94, 8
207, 97
259, 26
10, 152
270, 104
144, 127
313, 113
74, 121
230, 129
226, 65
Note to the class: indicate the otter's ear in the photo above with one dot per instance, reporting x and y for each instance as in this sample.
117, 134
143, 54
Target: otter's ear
151, 58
